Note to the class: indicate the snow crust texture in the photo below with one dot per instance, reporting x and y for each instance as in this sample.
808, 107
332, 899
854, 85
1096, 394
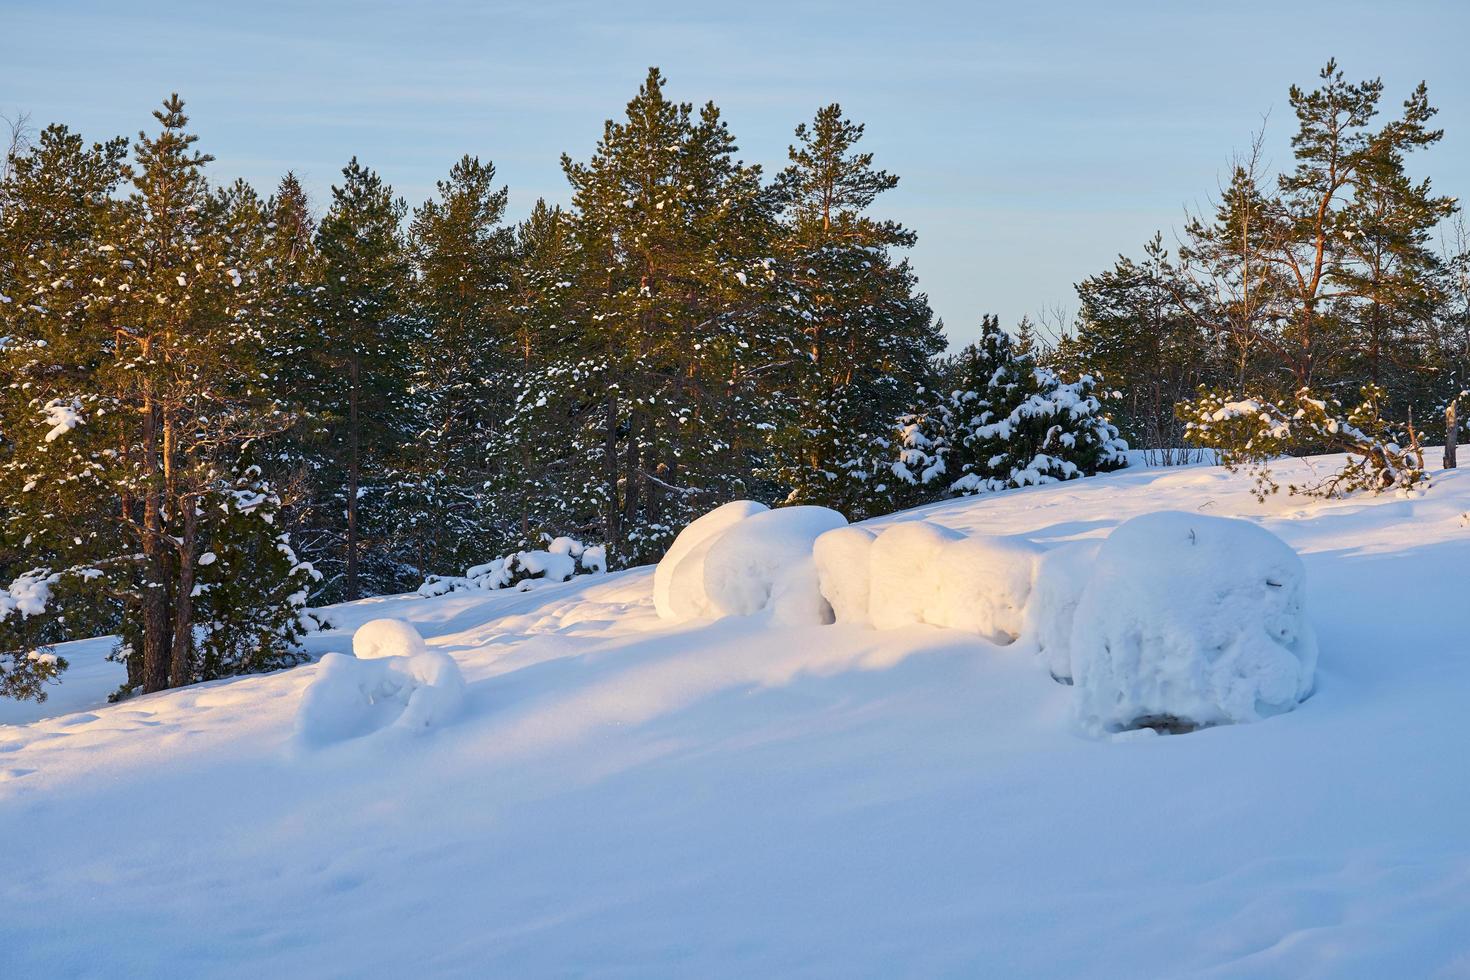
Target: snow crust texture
1188, 621
393, 682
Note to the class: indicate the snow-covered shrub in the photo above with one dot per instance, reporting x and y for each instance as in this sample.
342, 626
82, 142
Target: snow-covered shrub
561, 560
1188, 621
678, 591
1249, 431
984, 587
747, 559
1061, 575
904, 572
843, 556
393, 681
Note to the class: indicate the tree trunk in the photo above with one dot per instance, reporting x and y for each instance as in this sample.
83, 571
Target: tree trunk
155, 562
610, 476
181, 657
1451, 435
353, 473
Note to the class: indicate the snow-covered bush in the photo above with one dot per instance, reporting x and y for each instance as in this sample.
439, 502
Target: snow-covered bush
843, 557
1061, 575
678, 581
562, 559
393, 681
1188, 621
905, 571
1249, 431
984, 587
748, 558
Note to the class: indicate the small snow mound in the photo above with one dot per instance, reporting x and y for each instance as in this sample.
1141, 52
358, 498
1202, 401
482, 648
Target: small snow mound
387, 638
985, 585
842, 558
394, 682
1061, 575
678, 581
905, 572
746, 561
1188, 621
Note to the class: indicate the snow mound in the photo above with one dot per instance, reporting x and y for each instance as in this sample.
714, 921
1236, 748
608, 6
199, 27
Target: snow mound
745, 562
905, 572
984, 586
678, 581
1188, 621
394, 682
843, 556
797, 599
387, 638
1061, 575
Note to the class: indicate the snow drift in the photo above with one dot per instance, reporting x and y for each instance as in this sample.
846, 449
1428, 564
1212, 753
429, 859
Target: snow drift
678, 581
1188, 621
393, 681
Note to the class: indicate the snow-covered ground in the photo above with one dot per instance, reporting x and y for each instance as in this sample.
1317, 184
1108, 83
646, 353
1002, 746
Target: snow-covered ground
622, 795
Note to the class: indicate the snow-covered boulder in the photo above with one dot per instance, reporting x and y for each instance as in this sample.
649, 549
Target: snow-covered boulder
678, 581
1189, 621
984, 587
394, 681
1061, 575
843, 556
744, 563
904, 572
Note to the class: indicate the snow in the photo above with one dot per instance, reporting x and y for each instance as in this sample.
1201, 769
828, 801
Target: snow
393, 682
622, 794
984, 585
904, 572
1191, 620
1060, 576
747, 559
62, 416
842, 558
679, 594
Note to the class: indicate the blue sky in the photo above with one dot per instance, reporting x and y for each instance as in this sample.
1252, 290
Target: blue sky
1035, 142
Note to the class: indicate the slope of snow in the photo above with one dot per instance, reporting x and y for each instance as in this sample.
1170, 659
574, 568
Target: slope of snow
621, 795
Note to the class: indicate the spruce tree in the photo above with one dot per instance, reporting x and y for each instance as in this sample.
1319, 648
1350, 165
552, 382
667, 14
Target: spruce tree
1015, 423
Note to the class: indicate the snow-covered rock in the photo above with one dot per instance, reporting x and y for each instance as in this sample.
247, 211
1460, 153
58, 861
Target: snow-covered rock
905, 572
843, 556
984, 586
678, 592
1061, 575
393, 681
1189, 621
748, 558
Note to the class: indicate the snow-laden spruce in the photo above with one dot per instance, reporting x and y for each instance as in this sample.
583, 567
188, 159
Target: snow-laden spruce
393, 681
561, 560
1188, 621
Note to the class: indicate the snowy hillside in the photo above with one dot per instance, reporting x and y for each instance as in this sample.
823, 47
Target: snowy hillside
624, 795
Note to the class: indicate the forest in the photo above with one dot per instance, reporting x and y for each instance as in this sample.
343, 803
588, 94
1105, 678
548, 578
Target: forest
222, 406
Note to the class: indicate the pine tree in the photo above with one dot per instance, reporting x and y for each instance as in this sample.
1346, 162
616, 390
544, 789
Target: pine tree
867, 335
142, 360
366, 332
462, 359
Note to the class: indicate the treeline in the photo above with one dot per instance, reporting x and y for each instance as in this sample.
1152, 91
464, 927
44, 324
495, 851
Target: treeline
218, 408
1341, 281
